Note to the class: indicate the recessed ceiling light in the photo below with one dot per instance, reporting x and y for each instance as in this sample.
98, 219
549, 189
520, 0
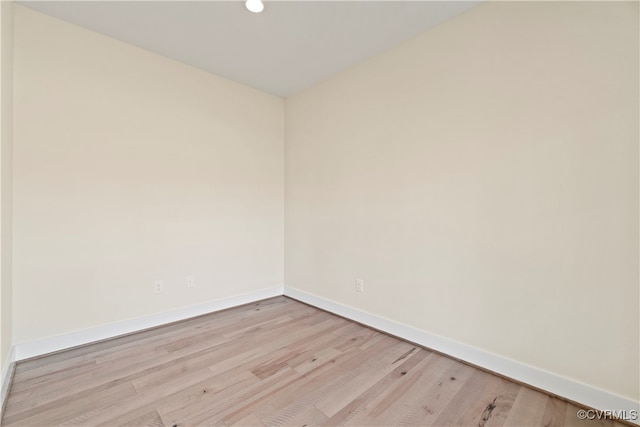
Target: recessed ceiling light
254, 6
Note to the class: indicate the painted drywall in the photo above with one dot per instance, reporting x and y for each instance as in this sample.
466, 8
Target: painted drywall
131, 168
482, 179
6, 126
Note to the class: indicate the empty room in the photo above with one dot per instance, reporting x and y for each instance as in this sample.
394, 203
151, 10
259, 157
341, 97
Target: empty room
297, 213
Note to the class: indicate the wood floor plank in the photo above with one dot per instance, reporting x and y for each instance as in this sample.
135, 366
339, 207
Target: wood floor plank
212, 386
54, 413
555, 413
250, 420
365, 400
275, 362
236, 406
387, 407
498, 401
463, 399
529, 408
324, 372
436, 392
356, 381
151, 419
296, 415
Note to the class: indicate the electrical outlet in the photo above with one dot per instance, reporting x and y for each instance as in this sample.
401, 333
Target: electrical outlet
190, 282
158, 286
359, 285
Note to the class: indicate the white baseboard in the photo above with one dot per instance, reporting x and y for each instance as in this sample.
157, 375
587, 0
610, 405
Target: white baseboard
7, 374
98, 333
538, 378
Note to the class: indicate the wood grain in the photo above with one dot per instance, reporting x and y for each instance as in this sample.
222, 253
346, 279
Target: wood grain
276, 362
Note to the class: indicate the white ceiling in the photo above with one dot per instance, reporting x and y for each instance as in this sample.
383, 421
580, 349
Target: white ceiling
289, 47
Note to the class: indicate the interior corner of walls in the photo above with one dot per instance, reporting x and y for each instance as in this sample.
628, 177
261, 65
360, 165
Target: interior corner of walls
279, 289
62, 342
7, 376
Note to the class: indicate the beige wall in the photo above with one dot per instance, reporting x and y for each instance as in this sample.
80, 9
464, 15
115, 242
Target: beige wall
6, 126
483, 180
128, 168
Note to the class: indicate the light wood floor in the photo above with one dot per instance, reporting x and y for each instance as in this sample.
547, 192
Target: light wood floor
275, 362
